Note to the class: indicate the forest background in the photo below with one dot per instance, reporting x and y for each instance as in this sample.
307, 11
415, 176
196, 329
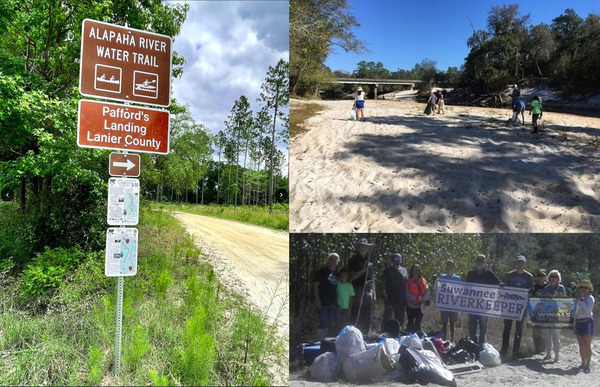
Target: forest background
562, 52
574, 255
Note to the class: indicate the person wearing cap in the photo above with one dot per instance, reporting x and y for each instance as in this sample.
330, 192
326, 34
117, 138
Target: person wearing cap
325, 293
360, 274
518, 278
480, 275
359, 102
538, 286
393, 281
445, 315
584, 323
552, 335
431, 102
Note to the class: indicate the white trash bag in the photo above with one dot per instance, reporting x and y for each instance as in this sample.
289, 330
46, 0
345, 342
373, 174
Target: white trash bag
489, 356
325, 368
353, 113
373, 364
348, 342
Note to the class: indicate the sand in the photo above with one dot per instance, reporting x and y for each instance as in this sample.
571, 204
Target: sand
530, 372
465, 171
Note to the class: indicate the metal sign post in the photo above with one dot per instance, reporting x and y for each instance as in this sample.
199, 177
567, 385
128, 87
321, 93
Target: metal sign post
118, 334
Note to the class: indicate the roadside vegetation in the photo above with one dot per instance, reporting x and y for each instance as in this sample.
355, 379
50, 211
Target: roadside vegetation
256, 215
180, 325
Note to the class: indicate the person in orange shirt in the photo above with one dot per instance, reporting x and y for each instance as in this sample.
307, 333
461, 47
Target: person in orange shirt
417, 296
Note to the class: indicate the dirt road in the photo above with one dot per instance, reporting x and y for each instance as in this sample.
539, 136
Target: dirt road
251, 260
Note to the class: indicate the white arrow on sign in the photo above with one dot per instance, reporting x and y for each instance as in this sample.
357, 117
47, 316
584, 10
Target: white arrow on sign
127, 165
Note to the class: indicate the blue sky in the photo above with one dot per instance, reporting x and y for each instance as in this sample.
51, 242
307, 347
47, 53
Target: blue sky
401, 33
228, 47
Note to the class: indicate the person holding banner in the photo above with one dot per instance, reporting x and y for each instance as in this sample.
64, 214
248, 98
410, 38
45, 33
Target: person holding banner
360, 274
445, 315
552, 335
584, 323
518, 278
480, 275
417, 295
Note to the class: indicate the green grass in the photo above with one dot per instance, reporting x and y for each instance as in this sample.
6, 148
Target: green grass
259, 216
175, 325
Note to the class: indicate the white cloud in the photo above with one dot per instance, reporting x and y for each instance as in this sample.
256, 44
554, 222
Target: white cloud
228, 48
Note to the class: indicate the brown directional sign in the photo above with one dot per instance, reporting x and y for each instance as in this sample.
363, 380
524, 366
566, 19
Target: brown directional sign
125, 64
116, 126
124, 164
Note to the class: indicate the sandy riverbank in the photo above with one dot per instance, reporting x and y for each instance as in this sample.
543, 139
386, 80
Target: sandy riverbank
465, 171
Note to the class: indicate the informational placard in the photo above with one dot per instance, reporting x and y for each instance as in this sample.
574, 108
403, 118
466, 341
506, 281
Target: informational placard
123, 201
125, 64
129, 128
485, 300
124, 164
551, 312
121, 252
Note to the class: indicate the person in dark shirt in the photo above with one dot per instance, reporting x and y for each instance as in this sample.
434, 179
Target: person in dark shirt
518, 278
480, 275
360, 273
393, 281
325, 293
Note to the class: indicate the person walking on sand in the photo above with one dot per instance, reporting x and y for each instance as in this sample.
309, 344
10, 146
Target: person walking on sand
393, 281
359, 102
584, 323
552, 335
540, 284
360, 275
417, 296
445, 315
325, 293
480, 275
535, 112
440, 102
431, 102
518, 278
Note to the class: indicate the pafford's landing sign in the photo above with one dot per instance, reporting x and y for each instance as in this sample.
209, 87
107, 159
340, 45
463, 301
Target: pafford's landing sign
128, 128
125, 64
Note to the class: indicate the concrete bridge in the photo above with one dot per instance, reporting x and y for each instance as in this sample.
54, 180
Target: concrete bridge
376, 82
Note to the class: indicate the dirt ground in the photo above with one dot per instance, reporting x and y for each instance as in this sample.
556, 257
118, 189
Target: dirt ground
530, 371
251, 260
467, 170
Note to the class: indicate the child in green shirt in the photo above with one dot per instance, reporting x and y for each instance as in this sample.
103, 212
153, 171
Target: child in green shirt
536, 112
345, 292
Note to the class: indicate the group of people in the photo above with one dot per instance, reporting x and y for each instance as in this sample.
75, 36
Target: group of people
436, 100
518, 107
347, 296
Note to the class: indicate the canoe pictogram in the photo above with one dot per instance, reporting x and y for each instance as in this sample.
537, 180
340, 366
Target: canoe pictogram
112, 79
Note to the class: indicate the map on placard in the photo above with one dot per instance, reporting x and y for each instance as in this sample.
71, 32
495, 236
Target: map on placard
123, 201
121, 252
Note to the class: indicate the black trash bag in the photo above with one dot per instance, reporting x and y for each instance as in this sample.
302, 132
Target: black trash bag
424, 369
468, 345
458, 357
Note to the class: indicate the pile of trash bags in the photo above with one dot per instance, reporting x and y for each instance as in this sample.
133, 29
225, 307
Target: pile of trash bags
406, 359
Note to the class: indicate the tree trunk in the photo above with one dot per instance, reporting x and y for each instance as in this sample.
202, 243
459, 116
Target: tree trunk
244, 172
23, 195
272, 152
